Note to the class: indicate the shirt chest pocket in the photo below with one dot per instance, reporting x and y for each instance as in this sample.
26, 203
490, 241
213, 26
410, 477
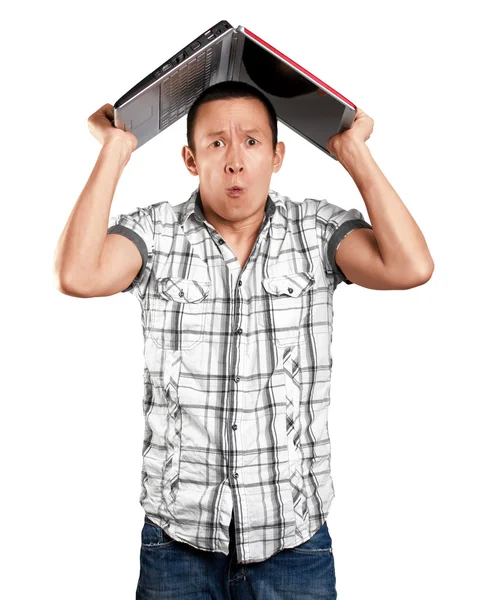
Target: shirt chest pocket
285, 312
176, 315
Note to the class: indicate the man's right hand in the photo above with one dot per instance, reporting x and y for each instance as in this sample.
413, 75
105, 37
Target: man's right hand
101, 126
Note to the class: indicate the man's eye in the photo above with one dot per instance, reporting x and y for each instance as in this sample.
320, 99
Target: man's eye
216, 141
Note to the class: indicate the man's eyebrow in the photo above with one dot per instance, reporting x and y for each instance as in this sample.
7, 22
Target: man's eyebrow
222, 131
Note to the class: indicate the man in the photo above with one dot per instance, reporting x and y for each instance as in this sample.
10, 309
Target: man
236, 287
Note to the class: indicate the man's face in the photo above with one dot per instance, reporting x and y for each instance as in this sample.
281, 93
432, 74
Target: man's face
241, 154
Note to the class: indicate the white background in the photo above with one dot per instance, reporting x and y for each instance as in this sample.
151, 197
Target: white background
409, 432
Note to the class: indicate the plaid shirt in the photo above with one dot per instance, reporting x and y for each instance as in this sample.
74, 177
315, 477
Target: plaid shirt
237, 372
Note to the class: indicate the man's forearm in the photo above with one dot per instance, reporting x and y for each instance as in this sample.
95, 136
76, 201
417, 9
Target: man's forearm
400, 240
80, 246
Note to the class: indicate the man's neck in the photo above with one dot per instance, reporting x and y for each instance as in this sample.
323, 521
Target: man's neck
236, 234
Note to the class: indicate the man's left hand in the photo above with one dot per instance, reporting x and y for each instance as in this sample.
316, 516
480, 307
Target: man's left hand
359, 131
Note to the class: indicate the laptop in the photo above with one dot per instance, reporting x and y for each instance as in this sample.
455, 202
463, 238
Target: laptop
303, 102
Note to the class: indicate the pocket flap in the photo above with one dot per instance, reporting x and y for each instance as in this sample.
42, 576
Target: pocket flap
292, 284
183, 290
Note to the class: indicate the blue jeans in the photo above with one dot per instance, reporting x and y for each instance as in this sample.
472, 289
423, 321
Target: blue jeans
173, 570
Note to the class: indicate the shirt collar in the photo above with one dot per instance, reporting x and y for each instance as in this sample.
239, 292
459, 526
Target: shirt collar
194, 206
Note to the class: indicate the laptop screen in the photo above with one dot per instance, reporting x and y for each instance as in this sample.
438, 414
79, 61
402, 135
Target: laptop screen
298, 102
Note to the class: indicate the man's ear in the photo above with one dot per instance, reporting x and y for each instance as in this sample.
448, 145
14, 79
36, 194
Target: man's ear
188, 158
278, 156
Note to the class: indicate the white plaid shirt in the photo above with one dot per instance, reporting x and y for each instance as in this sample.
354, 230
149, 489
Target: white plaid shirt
237, 372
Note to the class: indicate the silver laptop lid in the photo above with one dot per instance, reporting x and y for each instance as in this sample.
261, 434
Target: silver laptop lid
166, 94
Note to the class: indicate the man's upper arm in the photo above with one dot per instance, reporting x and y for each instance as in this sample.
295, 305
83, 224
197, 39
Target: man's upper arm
333, 225
138, 226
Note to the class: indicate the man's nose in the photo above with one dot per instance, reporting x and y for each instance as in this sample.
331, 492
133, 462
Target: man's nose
235, 163
235, 167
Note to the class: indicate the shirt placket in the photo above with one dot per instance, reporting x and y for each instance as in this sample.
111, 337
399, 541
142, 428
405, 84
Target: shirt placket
238, 278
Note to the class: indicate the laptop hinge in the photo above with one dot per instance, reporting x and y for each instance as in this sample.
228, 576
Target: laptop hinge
235, 59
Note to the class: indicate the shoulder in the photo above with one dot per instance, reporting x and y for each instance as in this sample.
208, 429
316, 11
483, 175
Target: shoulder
165, 212
296, 208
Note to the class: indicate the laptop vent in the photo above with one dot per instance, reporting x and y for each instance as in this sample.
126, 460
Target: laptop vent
183, 86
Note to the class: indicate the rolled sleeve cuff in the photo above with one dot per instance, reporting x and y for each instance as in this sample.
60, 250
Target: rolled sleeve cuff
337, 237
139, 243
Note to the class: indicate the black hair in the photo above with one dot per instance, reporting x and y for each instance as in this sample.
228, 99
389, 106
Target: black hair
226, 90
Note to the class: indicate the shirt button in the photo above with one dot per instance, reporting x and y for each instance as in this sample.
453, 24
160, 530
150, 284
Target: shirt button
236, 475
237, 379
234, 426
240, 281
290, 290
181, 293
220, 241
239, 331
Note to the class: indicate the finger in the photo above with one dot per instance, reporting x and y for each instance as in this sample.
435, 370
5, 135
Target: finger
109, 111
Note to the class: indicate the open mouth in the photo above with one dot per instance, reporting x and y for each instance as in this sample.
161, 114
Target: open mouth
235, 191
